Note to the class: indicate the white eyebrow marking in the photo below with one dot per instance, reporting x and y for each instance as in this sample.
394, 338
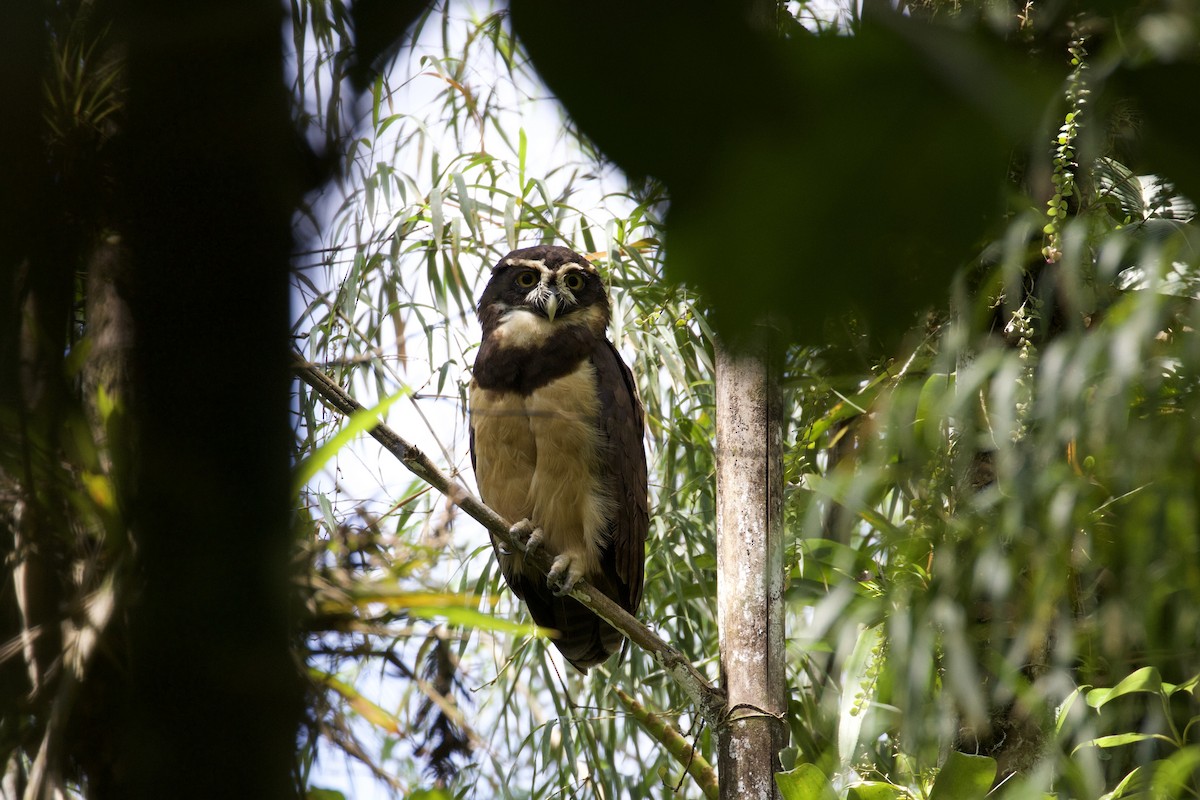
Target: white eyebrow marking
526, 262
540, 263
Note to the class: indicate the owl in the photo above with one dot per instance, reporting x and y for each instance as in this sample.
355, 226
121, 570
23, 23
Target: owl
556, 443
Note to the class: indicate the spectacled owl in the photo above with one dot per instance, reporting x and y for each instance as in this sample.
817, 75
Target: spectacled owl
556, 443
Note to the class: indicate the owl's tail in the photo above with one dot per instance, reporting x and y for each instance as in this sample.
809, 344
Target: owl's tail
583, 638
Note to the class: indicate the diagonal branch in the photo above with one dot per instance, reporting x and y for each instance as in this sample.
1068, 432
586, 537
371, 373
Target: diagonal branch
710, 702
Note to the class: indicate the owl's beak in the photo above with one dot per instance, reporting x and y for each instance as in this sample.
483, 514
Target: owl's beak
551, 306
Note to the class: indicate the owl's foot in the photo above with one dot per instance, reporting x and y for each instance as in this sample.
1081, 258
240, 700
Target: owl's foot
531, 536
564, 574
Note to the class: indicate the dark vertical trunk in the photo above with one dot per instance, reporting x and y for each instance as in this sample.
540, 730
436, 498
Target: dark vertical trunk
207, 192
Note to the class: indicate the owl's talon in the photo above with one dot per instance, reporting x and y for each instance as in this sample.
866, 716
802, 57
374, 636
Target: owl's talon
564, 574
532, 537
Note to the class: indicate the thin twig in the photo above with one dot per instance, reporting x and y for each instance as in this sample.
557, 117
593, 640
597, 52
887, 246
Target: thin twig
710, 702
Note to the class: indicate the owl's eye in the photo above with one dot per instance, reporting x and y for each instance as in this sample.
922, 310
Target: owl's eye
527, 280
573, 281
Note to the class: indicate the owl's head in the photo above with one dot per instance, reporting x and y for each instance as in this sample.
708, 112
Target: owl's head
541, 288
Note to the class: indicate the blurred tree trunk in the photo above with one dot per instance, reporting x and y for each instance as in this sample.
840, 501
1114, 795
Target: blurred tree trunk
207, 189
43, 230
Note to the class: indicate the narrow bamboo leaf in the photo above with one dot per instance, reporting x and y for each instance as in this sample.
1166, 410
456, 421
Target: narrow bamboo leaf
369, 711
857, 692
327, 514
404, 599
964, 777
805, 782
1116, 740
465, 203
522, 144
436, 218
369, 186
585, 230
358, 422
457, 609
510, 223
350, 286
478, 620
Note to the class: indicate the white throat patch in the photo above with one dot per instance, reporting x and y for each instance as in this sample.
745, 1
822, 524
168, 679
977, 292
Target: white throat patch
521, 327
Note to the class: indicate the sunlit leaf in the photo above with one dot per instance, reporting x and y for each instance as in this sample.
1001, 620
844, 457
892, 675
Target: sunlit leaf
963, 777
370, 711
873, 790
1120, 739
1145, 679
356, 424
477, 620
857, 693
323, 794
1175, 776
805, 782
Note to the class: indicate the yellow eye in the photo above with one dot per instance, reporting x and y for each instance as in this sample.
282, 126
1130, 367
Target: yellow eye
527, 280
573, 281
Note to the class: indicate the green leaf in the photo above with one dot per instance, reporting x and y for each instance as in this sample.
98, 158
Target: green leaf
324, 794
1191, 685
436, 218
873, 790
429, 794
457, 609
477, 620
1135, 779
1120, 186
857, 692
1116, 740
936, 387
359, 421
805, 782
370, 711
964, 777
1064, 709
465, 204
522, 147
1173, 774
1145, 679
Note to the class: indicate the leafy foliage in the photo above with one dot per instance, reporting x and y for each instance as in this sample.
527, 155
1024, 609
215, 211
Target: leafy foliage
991, 369
972, 509
420, 234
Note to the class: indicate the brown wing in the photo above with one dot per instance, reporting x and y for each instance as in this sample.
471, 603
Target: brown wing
584, 639
622, 420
